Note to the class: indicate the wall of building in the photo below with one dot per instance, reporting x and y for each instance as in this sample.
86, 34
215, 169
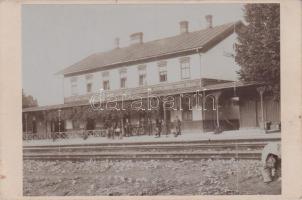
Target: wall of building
250, 112
212, 64
272, 110
218, 63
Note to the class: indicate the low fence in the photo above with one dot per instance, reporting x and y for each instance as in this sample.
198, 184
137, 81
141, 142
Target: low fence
64, 134
132, 131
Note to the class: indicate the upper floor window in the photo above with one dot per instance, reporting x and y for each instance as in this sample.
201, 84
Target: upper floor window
74, 85
185, 68
123, 78
142, 75
89, 79
106, 85
162, 67
89, 87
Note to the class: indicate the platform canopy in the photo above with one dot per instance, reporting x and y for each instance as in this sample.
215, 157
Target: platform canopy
135, 93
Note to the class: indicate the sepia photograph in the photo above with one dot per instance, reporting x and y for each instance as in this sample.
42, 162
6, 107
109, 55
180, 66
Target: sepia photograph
151, 99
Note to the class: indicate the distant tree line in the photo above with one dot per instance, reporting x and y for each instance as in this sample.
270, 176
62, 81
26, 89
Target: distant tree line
28, 101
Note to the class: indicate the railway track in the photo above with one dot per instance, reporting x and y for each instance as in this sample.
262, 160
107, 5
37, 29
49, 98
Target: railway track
147, 156
218, 149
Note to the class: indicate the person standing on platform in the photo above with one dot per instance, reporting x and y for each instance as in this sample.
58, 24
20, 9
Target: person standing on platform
167, 127
150, 126
158, 127
164, 127
177, 126
126, 128
145, 125
117, 131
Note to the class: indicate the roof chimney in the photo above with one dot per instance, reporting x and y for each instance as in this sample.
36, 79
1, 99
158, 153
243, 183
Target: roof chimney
184, 27
136, 38
209, 19
117, 43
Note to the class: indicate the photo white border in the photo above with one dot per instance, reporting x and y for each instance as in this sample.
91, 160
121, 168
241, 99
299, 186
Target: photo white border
11, 100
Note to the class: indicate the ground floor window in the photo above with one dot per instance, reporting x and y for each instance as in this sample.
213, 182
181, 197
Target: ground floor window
187, 115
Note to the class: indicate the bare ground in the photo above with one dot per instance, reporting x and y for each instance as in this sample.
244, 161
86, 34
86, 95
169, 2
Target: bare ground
205, 177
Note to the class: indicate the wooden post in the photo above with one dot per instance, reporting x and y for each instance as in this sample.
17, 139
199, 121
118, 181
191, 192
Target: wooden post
33, 124
25, 123
122, 131
45, 123
200, 105
261, 90
164, 110
165, 118
59, 120
203, 108
217, 95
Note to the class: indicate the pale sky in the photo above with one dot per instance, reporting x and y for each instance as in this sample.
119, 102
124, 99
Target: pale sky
56, 36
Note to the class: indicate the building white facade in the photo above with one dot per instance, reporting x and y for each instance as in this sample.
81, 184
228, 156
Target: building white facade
217, 63
188, 56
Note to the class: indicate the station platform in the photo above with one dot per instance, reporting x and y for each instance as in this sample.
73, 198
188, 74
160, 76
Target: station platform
192, 136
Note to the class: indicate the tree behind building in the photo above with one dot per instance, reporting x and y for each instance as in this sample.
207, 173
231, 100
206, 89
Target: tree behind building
258, 46
28, 101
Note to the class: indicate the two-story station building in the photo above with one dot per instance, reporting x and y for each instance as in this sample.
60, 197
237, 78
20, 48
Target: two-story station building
196, 70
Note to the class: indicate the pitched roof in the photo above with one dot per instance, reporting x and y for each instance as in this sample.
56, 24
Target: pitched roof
202, 39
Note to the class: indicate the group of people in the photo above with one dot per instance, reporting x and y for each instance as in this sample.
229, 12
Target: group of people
117, 129
160, 124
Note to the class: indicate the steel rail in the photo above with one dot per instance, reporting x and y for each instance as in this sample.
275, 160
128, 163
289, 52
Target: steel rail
140, 148
255, 155
129, 143
227, 149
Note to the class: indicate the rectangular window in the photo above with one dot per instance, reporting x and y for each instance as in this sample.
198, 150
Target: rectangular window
142, 75
162, 67
105, 76
187, 115
89, 87
142, 79
163, 73
106, 85
185, 68
73, 90
89, 79
123, 82
74, 86
123, 78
